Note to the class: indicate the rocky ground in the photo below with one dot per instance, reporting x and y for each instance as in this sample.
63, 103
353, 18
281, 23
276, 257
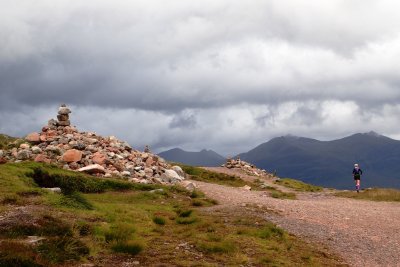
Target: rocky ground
62, 144
364, 233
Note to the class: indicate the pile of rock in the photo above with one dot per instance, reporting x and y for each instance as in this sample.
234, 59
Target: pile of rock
248, 168
62, 144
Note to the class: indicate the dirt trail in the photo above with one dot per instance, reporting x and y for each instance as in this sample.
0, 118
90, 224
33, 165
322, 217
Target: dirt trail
364, 233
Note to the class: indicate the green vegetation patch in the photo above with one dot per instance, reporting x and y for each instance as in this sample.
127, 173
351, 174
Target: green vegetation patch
62, 248
374, 194
298, 185
8, 142
50, 176
117, 222
282, 195
200, 174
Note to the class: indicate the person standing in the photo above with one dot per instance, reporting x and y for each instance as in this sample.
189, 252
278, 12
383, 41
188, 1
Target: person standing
357, 172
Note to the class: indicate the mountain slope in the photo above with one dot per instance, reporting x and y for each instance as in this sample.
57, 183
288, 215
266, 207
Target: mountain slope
330, 163
204, 157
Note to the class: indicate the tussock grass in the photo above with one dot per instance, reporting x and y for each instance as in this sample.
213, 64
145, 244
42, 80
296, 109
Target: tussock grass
217, 247
374, 194
62, 248
298, 185
159, 220
131, 248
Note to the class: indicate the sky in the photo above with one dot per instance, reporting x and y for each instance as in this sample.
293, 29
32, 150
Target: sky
215, 74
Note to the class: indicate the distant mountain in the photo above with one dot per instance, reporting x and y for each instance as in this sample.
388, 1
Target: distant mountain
204, 157
330, 163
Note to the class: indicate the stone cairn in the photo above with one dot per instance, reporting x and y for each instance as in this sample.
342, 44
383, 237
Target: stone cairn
248, 168
62, 144
63, 116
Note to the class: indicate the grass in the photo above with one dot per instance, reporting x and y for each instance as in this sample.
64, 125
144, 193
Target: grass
283, 195
131, 248
159, 220
112, 222
374, 194
200, 174
7, 142
298, 185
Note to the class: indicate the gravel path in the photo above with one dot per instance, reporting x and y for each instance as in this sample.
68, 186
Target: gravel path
364, 233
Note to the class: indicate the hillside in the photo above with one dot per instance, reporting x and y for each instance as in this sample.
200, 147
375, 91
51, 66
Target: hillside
111, 222
6, 140
204, 157
330, 163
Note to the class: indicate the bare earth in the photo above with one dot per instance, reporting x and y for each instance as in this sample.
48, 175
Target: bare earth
363, 233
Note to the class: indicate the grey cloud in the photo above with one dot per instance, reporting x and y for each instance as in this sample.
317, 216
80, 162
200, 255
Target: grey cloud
185, 120
183, 69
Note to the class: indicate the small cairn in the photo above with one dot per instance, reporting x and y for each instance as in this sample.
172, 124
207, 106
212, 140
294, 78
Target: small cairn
248, 168
63, 116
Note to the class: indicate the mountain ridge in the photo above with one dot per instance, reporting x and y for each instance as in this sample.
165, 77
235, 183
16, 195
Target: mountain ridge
205, 157
329, 163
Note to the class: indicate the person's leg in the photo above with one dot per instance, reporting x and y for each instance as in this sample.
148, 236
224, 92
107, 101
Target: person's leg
358, 185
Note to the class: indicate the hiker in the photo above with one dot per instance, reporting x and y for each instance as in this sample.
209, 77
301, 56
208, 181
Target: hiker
357, 172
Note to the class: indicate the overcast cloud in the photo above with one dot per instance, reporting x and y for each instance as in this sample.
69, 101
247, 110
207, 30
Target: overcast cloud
217, 74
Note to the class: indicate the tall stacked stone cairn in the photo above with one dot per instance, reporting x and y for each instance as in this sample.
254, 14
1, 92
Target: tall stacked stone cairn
62, 144
248, 168
63, 116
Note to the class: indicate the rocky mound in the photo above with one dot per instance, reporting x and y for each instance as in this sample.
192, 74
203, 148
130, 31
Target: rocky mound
62, 144
248, 168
